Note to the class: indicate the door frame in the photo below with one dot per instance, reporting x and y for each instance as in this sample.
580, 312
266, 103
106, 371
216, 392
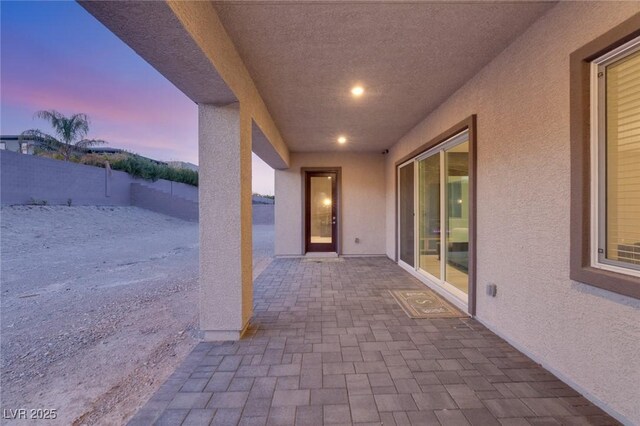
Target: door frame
398, 236
336, 208
468, 124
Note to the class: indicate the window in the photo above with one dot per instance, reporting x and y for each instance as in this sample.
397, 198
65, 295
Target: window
605, 160
615, 161
3, 145
24, 147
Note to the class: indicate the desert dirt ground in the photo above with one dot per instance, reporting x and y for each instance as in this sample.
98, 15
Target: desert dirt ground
99, 305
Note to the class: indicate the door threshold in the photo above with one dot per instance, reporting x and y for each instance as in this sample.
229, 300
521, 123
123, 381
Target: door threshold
321, 254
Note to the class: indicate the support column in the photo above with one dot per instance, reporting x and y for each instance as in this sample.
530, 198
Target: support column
226, 283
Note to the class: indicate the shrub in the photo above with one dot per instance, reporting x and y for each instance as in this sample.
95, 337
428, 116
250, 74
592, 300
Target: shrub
271, 197
36, 202
48, 154
100, 160
141, 167
135, 165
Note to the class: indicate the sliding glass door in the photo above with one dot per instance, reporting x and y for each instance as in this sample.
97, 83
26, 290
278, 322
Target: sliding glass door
439, 233
429, 215
457, 214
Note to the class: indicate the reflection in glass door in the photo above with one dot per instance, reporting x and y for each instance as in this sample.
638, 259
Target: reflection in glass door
429, 214
321, 200
321, 211
457, 247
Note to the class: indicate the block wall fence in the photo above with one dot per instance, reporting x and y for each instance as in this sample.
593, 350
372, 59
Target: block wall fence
25, 178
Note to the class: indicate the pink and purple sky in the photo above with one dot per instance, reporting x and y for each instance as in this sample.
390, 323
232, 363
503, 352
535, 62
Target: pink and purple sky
54, 55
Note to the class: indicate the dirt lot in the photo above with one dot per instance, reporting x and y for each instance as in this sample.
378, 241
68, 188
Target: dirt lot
99, 305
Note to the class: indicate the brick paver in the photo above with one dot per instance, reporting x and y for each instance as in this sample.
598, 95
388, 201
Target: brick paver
329, 345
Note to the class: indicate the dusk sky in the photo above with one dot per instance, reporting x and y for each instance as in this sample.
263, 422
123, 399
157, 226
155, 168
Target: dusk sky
55, 55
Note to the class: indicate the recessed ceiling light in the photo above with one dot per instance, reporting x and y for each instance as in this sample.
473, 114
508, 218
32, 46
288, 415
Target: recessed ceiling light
357, 91
342, 140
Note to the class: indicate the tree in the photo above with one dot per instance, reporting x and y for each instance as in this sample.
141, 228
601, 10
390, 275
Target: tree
71, 133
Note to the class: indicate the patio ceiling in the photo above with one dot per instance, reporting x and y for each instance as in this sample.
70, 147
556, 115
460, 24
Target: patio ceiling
305, 57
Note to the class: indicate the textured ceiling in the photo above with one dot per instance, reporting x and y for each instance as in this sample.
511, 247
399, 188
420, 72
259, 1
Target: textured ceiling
410, 57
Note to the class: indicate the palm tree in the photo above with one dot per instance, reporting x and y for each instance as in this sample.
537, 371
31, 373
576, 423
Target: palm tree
71, 133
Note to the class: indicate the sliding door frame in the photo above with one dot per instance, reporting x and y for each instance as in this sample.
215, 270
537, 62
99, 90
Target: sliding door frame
440, 151
398, 235
435, 145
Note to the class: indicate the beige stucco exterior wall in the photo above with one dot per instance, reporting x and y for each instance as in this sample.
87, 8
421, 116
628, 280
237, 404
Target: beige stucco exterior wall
203, 23
225, 234
589, 337
362, 201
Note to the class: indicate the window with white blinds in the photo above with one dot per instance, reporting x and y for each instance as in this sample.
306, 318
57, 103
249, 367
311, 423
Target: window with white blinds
618, 226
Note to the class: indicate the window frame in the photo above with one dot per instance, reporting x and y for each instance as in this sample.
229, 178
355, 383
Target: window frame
583, 178
599, 159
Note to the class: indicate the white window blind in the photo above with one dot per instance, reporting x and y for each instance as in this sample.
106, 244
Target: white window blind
622, 149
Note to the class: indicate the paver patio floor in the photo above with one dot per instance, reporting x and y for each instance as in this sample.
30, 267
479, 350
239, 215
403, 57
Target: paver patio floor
329, 345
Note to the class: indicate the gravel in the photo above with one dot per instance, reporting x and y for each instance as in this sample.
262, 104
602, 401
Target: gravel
99, 305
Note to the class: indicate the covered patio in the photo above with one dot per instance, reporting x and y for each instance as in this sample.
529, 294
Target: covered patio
488, 151
329, 345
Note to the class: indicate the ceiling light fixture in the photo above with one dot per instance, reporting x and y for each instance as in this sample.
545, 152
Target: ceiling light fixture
357, 91
342, 140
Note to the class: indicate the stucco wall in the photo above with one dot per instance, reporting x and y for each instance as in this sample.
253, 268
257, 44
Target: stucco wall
589, 337
362, 202
201, 21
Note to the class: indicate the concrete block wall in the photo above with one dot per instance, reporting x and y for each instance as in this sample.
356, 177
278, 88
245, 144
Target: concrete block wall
182, 190
263, 214
163, 202
25, 178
